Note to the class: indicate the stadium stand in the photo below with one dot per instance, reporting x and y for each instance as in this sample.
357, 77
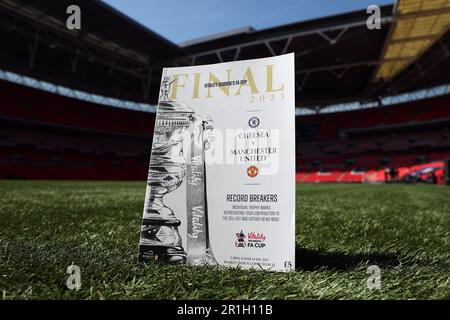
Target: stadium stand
47, 136
356, 146
44, 135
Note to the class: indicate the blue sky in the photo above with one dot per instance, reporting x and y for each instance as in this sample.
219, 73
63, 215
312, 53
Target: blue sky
180, 21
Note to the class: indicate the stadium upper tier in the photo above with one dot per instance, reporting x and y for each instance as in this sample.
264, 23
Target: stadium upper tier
24, 103
338, 59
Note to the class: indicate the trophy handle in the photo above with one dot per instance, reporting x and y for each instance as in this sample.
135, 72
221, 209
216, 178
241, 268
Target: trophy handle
198, 247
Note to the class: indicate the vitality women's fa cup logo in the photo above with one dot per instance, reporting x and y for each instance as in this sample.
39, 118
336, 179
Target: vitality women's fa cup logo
240, 242
173, 161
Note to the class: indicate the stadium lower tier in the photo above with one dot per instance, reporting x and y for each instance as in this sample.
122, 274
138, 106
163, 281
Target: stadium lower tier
32, 163
26, 162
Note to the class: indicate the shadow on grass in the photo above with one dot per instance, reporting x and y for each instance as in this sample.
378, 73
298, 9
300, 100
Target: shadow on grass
312, 260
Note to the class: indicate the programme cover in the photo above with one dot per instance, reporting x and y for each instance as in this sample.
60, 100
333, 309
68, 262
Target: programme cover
221, 183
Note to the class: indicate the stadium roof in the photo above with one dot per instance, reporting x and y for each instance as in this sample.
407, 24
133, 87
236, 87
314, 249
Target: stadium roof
338, 58
110, 55
418, 25
335, 56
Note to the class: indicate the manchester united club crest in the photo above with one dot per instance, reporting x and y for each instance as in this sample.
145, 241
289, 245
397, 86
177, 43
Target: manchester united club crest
240, 242
252, 171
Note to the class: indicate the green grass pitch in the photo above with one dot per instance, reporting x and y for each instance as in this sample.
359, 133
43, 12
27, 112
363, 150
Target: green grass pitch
341, 230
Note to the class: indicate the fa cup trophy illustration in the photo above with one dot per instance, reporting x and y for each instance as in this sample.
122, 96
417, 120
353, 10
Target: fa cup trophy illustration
173, 161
